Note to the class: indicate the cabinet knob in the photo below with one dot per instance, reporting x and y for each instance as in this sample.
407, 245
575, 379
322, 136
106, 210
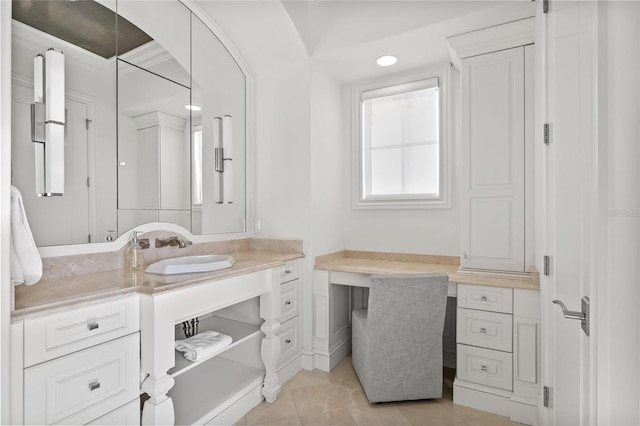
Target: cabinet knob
483, 330
483, 298
288, 302
93, 385
483, 368
93, 326
287, 271
287, 341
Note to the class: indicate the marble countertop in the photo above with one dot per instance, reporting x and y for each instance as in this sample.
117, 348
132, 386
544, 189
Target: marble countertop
56, 293
364, 262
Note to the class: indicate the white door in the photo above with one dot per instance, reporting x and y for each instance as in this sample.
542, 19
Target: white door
53, 220
569, 207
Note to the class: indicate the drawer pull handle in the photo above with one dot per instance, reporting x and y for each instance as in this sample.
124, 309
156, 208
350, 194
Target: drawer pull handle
94, 385
287, 271
288, 302
483, 298
93, 326
483, 330
483, 368
287, 341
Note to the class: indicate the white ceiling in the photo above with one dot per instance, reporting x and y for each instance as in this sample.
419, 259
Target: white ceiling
346, 36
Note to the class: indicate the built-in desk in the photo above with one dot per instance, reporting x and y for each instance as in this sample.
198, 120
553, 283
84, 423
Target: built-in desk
496, 333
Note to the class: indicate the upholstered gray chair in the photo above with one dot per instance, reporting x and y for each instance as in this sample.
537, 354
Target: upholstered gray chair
397, 341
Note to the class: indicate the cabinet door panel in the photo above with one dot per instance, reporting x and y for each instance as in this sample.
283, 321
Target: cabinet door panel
493, 139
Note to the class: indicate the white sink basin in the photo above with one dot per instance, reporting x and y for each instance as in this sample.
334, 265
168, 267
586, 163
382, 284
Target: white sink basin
189, 264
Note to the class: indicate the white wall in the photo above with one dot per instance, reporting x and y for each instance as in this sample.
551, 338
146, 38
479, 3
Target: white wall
421, 231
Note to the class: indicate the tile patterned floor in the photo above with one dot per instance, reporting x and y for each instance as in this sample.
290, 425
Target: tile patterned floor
336, 398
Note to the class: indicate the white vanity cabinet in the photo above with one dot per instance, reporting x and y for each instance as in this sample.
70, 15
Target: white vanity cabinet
290, 331
498, 351
78, 366
497, 106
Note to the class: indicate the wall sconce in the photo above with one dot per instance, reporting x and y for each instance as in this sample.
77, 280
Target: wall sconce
48, 121
223, 147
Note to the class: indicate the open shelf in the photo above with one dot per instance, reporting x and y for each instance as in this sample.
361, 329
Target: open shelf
239, 332
201, 394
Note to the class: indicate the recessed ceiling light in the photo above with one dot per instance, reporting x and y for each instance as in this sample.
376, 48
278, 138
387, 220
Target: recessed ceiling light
386, 60
193, 107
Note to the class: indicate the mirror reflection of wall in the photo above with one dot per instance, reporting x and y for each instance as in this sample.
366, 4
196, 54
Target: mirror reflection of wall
158, 42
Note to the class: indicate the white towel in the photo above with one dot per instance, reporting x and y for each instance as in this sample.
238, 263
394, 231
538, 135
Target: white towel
26, 264
203, 344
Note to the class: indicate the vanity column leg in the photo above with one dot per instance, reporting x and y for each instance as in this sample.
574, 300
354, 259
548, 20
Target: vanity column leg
158, 409
270, 350
157, 343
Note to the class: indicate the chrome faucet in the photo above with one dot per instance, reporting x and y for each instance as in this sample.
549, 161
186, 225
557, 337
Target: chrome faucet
172, 241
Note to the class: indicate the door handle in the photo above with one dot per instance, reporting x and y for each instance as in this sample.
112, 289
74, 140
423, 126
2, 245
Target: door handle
582, 315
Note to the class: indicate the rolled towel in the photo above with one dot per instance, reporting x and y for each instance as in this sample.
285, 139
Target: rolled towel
26, 264
203, 344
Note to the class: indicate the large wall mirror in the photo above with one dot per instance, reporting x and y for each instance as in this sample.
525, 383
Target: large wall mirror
155, 120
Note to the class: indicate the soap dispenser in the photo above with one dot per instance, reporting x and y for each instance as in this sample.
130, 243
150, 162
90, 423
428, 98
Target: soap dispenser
134, 258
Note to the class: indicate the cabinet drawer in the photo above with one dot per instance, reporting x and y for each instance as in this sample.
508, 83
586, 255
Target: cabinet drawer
51, 336
485, 366
289, 300
289, 271
290, 340
127, 415
494, 299
83, 386
485, 329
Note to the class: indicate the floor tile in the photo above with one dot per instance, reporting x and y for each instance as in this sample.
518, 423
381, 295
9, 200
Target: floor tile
318, 399
493, 420
306, 378
293, 421
352, 393
241, 422
265, 413
433, 414
468, 413
334, 418
378, 415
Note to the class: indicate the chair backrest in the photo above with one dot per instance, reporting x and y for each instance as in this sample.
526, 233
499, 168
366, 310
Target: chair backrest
407, 308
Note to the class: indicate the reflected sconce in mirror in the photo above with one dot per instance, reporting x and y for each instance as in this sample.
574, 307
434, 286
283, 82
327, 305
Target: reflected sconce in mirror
48, 122
223, 147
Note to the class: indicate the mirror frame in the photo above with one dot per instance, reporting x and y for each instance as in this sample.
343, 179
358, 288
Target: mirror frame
103, 247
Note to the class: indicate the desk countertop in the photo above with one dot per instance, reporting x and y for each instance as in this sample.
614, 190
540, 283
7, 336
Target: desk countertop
369, 263
54, 294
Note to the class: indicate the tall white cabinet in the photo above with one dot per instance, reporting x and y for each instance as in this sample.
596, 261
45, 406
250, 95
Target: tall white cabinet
496, 146
498, 333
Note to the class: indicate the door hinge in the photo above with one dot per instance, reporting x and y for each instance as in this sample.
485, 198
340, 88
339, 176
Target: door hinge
88, 183
86, 123
546, 396
89, 238
545, 6
545, 265
546, 133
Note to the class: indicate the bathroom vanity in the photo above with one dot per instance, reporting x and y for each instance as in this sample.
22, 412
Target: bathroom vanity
95, 348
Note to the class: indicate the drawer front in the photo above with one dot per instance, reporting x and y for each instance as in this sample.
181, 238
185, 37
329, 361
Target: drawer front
128, 415
289, 300
85, 385
485, 366
289, 271
485, 329
494, 299
290, 340
55, 335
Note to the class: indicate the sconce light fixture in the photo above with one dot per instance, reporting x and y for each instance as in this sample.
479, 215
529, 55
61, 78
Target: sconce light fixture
48, 121
223, 147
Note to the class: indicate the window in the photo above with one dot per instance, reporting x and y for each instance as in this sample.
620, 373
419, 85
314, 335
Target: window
400, 143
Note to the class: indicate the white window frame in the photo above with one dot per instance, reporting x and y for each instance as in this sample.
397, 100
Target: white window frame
443, 200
